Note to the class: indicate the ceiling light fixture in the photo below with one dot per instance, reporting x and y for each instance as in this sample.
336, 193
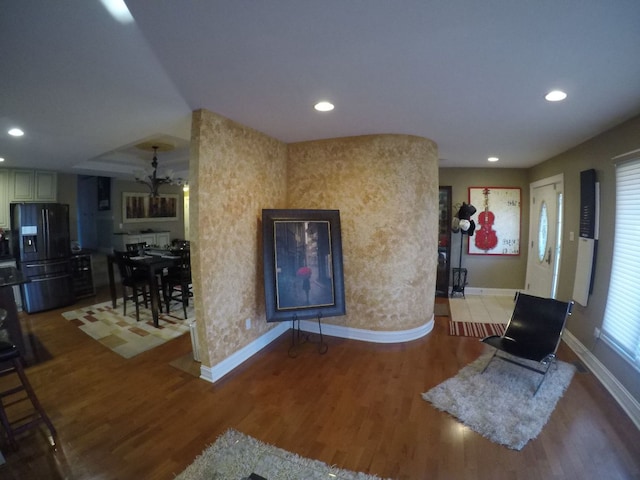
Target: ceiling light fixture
1, 159
150, 178
324, 106
555, 96
493, 159
16, 132
118, 10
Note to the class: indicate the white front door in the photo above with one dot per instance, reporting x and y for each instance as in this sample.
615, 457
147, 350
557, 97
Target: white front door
545, 231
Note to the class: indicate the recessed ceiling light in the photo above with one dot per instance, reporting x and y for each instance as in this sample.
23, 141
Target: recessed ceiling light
16, 132
324, 106
118, 10
493, 159
555, 96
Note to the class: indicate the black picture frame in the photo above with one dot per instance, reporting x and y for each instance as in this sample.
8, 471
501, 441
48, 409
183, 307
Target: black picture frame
302, 253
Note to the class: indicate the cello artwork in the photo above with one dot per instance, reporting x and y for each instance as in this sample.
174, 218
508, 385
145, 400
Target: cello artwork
486, 237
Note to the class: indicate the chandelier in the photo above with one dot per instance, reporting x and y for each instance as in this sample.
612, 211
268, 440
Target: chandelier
151, 179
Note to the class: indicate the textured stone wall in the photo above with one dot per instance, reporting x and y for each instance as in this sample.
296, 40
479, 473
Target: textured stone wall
235, 172
385, 186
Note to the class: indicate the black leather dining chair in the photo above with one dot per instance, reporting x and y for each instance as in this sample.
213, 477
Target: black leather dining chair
177, 282
136, 248
135, 279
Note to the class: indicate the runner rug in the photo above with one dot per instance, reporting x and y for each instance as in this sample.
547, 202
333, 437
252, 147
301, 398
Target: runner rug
238, 456
123, 334
473, 329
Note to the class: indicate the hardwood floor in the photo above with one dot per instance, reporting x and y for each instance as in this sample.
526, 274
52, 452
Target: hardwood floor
358, 407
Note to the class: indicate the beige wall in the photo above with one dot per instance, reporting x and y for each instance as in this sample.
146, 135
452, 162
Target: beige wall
119, 186
385, 187
489, 271
595, 153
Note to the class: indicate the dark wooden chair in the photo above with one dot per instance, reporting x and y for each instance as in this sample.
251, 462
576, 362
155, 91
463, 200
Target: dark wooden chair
136, 248
533, 334
135, 279
177, 281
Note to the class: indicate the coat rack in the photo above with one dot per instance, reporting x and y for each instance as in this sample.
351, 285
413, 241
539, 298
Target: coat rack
462, 222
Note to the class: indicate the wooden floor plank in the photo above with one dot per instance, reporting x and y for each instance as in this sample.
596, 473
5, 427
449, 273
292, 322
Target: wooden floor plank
358, 407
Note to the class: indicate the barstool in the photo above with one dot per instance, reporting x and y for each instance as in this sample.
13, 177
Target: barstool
10, 353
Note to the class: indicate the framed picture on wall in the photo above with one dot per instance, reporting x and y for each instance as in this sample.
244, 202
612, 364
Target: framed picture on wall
497, 220
140, 207
302, 251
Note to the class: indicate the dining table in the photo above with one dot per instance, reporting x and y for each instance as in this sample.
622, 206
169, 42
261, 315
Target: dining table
153, 262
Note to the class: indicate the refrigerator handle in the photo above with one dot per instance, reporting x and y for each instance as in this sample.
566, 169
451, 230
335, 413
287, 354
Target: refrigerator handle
45, 230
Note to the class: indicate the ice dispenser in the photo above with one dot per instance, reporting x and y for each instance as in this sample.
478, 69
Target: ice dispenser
29, 238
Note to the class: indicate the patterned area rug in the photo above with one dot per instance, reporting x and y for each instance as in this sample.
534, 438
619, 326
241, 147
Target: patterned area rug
123, 334
238, 456
473, 329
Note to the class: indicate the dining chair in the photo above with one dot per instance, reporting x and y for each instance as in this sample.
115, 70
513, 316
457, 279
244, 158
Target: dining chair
13, 420
135, 279
177, 281
136, 248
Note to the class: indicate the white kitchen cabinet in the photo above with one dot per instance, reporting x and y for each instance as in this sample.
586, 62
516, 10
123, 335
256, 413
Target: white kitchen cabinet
163, 239
4, 199
21, 185
33, 186
45, 186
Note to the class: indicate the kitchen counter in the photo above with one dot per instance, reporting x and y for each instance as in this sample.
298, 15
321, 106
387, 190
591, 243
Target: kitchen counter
9, 277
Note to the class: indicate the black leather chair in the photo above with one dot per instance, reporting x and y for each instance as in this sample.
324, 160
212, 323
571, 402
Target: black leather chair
177, 282
533, 334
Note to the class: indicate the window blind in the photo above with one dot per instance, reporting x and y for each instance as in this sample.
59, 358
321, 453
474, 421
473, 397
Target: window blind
621, 327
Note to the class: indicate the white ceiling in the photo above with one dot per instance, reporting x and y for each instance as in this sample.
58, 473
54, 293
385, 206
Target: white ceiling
470, 75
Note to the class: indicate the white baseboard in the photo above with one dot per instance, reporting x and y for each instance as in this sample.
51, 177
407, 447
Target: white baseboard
213, 374
372, 336
496, 292
629, 404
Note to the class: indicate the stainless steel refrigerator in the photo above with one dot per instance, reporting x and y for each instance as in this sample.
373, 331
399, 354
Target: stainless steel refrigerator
42, 248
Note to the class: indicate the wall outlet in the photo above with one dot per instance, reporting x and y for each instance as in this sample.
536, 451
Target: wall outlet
596, 332
247, 324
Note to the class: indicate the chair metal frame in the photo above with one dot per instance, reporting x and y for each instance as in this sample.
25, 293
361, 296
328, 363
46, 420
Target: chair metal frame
533, 334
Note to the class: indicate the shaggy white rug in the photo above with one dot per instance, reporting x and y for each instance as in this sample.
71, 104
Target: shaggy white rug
236, 456
499, 404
